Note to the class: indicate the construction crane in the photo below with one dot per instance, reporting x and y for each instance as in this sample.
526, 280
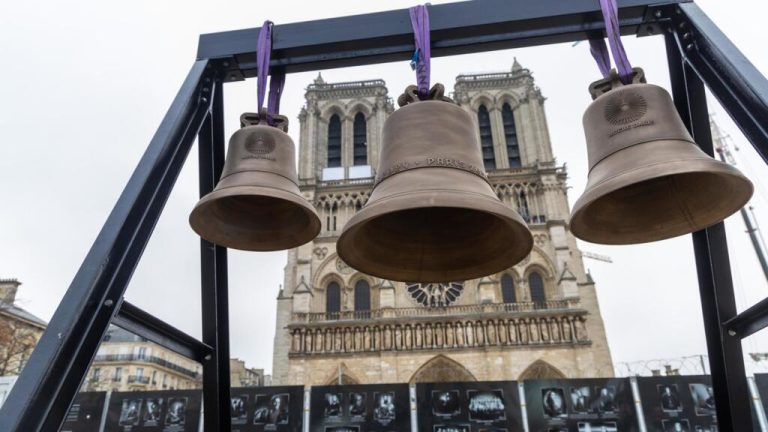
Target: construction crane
720, 141
596, 256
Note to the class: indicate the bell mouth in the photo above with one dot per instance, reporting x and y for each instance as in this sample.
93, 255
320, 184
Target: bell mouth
255, 218
659, 200
437, 243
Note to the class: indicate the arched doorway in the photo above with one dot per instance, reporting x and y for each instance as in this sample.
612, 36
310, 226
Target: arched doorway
441, 369
342, 376
541, 370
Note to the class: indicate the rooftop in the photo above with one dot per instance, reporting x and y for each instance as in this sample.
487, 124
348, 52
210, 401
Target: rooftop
21, 313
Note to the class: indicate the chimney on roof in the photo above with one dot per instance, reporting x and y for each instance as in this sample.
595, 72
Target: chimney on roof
8, 288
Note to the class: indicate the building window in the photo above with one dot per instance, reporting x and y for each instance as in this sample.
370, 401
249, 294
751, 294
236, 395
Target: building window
118, 374
508, 289
522, 206
334, 141
486, 138
96, 374
142, 353
362, 295
154, 377
510, 133
536, 284
139, 372
359, 138
333, 298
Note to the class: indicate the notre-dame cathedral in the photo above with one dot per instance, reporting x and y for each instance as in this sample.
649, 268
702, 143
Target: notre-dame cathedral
538, 319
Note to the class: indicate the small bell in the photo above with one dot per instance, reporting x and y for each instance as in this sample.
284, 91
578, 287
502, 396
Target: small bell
256, 205
648, 180
432, 215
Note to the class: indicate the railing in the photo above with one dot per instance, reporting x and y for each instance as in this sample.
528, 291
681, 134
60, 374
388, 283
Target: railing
458, 310
346, 182
563, 327
135, 379
147, 359
346, 85
485, 76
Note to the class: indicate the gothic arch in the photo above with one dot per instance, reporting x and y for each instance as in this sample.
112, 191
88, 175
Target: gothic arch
511, 271
545, 272
347, 377
441, 369
331, 109
362, 106
483, 98
322, 280
541, 370
327, 269
508, 97
537, 259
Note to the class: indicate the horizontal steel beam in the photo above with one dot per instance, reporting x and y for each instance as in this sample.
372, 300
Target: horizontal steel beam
456, 28
749, 321
148, 326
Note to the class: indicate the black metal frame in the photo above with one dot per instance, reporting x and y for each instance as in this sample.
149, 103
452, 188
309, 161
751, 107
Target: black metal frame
697, 51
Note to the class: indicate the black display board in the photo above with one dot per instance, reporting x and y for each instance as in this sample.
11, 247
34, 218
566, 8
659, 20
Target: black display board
580, 405
678, 403
85, 413
360, 408
154, 411
761, 382
481, 406
257, 409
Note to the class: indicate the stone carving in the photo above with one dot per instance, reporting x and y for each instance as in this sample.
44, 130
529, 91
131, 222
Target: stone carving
441, 334
436, 294
342, 267
319, 252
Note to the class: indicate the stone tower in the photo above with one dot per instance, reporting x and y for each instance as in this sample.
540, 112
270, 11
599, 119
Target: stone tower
538, 319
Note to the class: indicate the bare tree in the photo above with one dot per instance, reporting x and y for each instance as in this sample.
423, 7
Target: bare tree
17, 340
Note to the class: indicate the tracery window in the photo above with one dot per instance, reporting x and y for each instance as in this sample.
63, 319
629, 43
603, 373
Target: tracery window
510, 133
334, 141
507, 289
359, 138
362, 295
486, 138
333, 298
522, 206
536, 285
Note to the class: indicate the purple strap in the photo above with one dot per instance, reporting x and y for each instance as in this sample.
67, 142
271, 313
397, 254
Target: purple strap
420, 23
599, 49
263, 53
600, 52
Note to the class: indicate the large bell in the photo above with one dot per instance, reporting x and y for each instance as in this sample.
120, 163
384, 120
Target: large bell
432, 215
648, 180
257, 205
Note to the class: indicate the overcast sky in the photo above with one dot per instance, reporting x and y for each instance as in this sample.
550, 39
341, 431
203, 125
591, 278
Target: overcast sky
86, 84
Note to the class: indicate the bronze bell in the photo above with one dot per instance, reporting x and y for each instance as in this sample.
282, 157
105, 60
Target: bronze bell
256, 205
432, 215
648, 180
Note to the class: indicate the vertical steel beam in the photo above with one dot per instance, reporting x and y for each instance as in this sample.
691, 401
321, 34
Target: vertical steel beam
712, 263
739, 86
215, 304
46, 388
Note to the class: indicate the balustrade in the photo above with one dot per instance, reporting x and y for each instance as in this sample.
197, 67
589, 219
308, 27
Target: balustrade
414, 312
331, 338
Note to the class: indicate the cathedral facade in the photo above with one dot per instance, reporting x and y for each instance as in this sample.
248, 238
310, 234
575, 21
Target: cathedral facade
538, 319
